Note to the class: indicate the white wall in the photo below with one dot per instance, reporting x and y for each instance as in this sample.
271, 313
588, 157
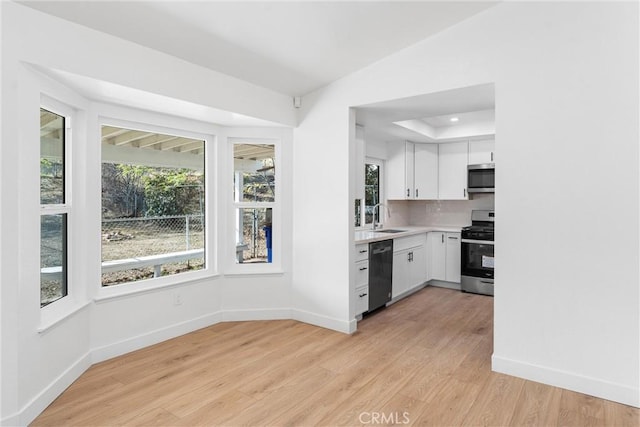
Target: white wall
566, 79
36, 365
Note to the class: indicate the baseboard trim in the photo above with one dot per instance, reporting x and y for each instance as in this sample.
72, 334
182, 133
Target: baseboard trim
568, 380
346, 327
99, 354
255, 314
442, 284
39, 403
109, 351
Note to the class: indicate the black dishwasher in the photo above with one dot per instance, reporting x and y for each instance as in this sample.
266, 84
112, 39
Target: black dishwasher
380, 269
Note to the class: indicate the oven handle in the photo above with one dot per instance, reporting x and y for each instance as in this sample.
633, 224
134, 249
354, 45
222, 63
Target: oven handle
479, 242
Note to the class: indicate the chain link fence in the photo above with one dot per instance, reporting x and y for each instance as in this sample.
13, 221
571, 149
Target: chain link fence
124, 238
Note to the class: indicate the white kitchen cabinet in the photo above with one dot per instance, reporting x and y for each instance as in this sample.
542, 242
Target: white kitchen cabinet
396, 171
481, 151
361, 285
452, 262
400, 273
452, 171
444, 256
412, 171
360, 161
409, 264
437, 255
425, 177
362, 299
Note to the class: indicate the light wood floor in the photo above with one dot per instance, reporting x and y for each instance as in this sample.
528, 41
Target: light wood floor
422, 361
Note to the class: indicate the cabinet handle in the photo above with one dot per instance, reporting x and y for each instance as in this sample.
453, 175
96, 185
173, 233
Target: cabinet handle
464, 191
363, 268
416, 193
452, 237
363, 251
492, 156
363, 295
408, 192
442, 235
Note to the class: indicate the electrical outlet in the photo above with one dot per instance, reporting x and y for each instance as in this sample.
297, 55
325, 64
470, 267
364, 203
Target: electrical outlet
177, 299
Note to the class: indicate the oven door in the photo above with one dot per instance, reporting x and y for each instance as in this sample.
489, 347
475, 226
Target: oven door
477, 258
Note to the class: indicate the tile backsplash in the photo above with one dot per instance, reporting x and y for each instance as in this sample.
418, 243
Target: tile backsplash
437, 212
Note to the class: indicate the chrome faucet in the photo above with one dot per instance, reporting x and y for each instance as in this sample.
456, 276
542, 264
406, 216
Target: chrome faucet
373, 221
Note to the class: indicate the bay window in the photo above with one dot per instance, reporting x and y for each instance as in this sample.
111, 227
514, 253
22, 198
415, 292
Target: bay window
55, 131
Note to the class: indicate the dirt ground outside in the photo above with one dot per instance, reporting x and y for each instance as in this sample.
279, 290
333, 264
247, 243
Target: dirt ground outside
136, 237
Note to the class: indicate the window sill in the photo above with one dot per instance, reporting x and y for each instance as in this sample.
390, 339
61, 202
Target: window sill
248, 273
53, 320
125, 290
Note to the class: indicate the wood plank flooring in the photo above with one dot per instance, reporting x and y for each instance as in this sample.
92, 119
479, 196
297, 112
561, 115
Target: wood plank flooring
423, 361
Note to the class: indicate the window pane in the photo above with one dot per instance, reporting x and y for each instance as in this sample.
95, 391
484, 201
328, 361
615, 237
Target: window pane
52, 139
253, 235
53, 258
371, 191
254, 173
153, 205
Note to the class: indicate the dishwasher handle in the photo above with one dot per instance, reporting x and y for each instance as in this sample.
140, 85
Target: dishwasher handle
382, 250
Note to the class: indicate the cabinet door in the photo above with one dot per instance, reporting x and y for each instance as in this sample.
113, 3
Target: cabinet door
452, 171
425, 178
418, 266
409, 167
360, 162
452, 241
438, 256
396, 171
481, 151
400, 273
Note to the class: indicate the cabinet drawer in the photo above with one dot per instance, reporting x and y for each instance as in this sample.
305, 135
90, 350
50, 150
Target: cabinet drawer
362, 299
362, 273
362, 252
403, 243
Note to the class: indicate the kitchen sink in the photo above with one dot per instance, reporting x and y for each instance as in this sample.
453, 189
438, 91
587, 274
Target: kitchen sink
390, 230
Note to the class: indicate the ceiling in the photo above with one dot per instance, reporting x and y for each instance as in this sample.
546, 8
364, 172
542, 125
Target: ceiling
426, 118
290, 47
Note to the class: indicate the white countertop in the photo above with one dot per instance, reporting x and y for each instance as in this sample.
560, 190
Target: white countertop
367, 236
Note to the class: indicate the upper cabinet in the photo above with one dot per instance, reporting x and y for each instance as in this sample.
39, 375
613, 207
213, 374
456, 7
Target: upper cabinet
412, 171
417, 171
481, 151
360, 162
425, 178
452, 169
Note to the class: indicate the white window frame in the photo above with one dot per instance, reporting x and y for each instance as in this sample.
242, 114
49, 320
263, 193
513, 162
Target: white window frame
127, 118
60, 308
233, 267
381, 164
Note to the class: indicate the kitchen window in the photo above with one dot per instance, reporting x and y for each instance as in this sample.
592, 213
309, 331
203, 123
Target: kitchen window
55, 207
255, 202
364, 209
371, 191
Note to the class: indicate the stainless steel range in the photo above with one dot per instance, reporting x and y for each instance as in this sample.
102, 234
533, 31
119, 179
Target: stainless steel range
477, 262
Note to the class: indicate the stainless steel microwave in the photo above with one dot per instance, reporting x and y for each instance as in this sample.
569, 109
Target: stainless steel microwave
481, 178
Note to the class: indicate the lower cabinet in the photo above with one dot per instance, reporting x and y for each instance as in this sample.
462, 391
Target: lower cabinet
444, 256
362, 299
409, 264
362, 278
